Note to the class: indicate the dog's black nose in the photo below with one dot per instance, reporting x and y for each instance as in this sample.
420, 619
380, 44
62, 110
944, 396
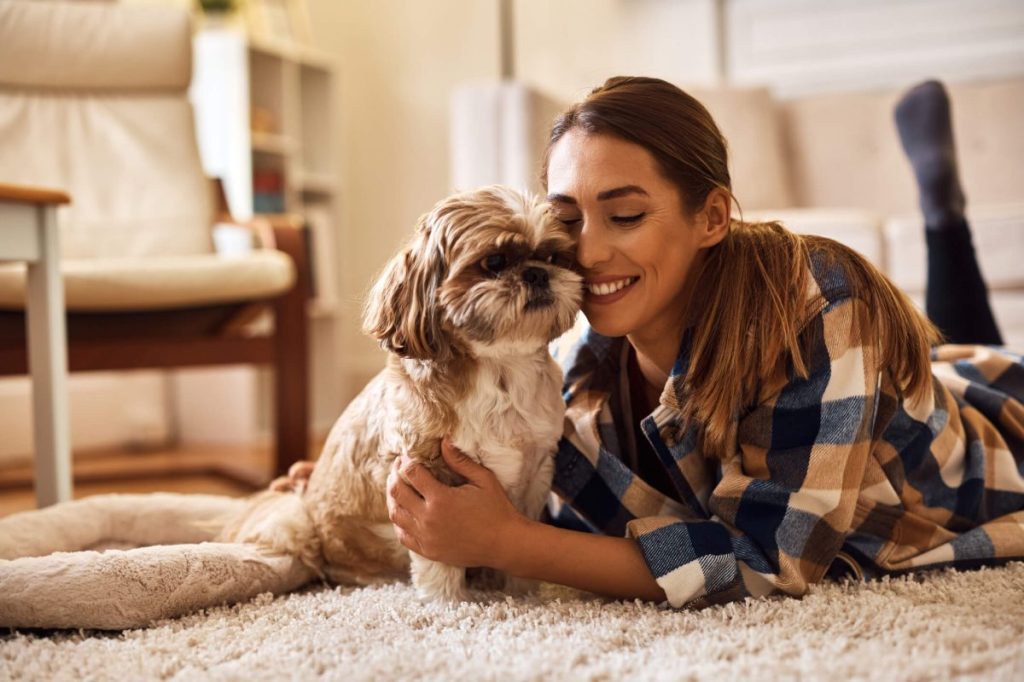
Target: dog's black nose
535, 277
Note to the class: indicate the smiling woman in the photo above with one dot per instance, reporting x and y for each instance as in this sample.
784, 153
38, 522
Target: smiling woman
749, 410
637, 243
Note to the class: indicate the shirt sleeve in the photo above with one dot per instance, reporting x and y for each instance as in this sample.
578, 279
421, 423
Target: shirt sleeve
787, 496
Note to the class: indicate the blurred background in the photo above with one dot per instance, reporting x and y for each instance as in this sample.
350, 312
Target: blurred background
357, 115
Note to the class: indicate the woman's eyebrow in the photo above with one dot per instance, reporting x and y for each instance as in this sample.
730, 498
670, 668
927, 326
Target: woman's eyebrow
621, 191
614, 193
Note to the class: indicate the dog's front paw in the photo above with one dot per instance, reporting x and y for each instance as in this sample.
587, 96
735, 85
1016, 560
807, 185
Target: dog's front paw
436, 581
520, 586
295, 480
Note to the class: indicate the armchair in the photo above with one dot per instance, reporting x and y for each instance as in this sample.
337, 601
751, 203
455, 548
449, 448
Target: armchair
93, 101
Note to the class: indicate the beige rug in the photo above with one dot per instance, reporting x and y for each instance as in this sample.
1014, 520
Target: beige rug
933, 627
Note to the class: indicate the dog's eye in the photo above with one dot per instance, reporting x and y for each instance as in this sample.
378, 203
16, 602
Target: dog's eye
559, 259
496, 262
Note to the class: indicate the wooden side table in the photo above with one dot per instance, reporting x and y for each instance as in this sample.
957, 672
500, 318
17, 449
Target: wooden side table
28, 233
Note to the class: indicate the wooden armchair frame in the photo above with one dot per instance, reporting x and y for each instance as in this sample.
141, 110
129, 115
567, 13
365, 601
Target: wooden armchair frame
192, 337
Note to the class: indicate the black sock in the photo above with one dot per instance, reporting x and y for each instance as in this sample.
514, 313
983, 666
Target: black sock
926, 132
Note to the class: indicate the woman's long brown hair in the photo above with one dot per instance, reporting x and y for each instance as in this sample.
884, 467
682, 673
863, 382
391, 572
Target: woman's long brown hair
752, 287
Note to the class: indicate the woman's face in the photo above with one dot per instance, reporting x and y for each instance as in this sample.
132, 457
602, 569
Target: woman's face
636, 241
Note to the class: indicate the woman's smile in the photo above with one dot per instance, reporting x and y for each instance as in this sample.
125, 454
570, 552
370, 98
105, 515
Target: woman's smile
603, 290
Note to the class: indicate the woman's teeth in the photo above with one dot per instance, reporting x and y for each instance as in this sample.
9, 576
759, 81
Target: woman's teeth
605, 288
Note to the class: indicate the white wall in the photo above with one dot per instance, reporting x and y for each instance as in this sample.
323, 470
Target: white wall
567, 47
106, 409
399, 60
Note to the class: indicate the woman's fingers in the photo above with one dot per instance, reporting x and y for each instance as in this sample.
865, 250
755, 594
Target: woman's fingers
463, 464
457, 525
400, 497
401, 517
419, 478
408, 541
399, 492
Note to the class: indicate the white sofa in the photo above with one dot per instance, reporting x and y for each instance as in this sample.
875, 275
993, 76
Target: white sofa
829, 165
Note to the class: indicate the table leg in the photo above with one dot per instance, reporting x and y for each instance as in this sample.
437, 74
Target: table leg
48, 364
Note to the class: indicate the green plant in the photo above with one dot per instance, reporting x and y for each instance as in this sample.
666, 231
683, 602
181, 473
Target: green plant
217, 5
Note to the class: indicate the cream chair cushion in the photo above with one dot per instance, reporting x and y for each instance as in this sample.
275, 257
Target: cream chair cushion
93, 99
132, 284
80, 45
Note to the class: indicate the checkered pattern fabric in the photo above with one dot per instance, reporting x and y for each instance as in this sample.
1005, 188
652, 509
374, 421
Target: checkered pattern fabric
833, 470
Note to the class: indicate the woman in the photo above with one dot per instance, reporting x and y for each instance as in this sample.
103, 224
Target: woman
750, 410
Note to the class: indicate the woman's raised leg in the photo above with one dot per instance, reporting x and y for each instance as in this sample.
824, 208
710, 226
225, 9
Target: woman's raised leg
956, 299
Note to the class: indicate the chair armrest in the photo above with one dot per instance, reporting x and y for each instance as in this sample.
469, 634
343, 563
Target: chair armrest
24, 194
261, 226
289, 234
285, 232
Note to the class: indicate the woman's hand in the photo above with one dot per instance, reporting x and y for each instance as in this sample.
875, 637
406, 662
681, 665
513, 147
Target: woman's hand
475, 524
461, 526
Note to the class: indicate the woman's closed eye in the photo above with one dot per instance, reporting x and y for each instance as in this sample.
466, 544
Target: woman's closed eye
631, 219
628, 219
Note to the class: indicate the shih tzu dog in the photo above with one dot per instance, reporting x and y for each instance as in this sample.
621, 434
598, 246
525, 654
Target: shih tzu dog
466, 311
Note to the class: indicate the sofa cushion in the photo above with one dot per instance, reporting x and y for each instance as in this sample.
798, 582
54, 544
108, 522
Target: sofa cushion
843, 149
749, 120
1008, 309
998, 232
160, 283
860, 230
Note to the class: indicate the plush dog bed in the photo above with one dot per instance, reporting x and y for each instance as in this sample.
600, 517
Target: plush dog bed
122, 561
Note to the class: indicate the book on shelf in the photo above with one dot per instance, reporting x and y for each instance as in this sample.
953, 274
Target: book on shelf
267, 190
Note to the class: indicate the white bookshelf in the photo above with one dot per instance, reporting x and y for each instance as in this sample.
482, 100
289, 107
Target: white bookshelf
292, 89
264, 105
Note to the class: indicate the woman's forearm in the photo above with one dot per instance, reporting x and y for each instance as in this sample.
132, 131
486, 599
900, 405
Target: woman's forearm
601, 564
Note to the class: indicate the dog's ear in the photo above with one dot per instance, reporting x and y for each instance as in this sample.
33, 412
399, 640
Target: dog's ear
402, 312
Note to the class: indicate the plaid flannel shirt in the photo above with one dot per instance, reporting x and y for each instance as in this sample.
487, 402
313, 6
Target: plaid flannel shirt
833, 470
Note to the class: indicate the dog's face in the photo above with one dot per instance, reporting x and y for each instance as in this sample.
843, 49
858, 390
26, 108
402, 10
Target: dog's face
487, 272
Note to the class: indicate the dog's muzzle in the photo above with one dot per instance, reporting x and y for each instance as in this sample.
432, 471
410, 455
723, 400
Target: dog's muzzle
538, 281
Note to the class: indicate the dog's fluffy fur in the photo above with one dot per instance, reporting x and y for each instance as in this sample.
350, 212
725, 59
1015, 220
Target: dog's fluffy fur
466, 311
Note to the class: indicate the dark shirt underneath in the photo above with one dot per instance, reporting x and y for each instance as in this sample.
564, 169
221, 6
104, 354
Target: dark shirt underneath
648, 466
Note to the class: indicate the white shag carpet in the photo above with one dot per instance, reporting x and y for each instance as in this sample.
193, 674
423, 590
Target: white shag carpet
938, 626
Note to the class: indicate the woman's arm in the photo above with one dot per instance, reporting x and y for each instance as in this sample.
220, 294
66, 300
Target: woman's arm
601, 564
476, 525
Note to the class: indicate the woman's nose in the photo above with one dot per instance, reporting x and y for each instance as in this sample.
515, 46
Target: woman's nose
592, 248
